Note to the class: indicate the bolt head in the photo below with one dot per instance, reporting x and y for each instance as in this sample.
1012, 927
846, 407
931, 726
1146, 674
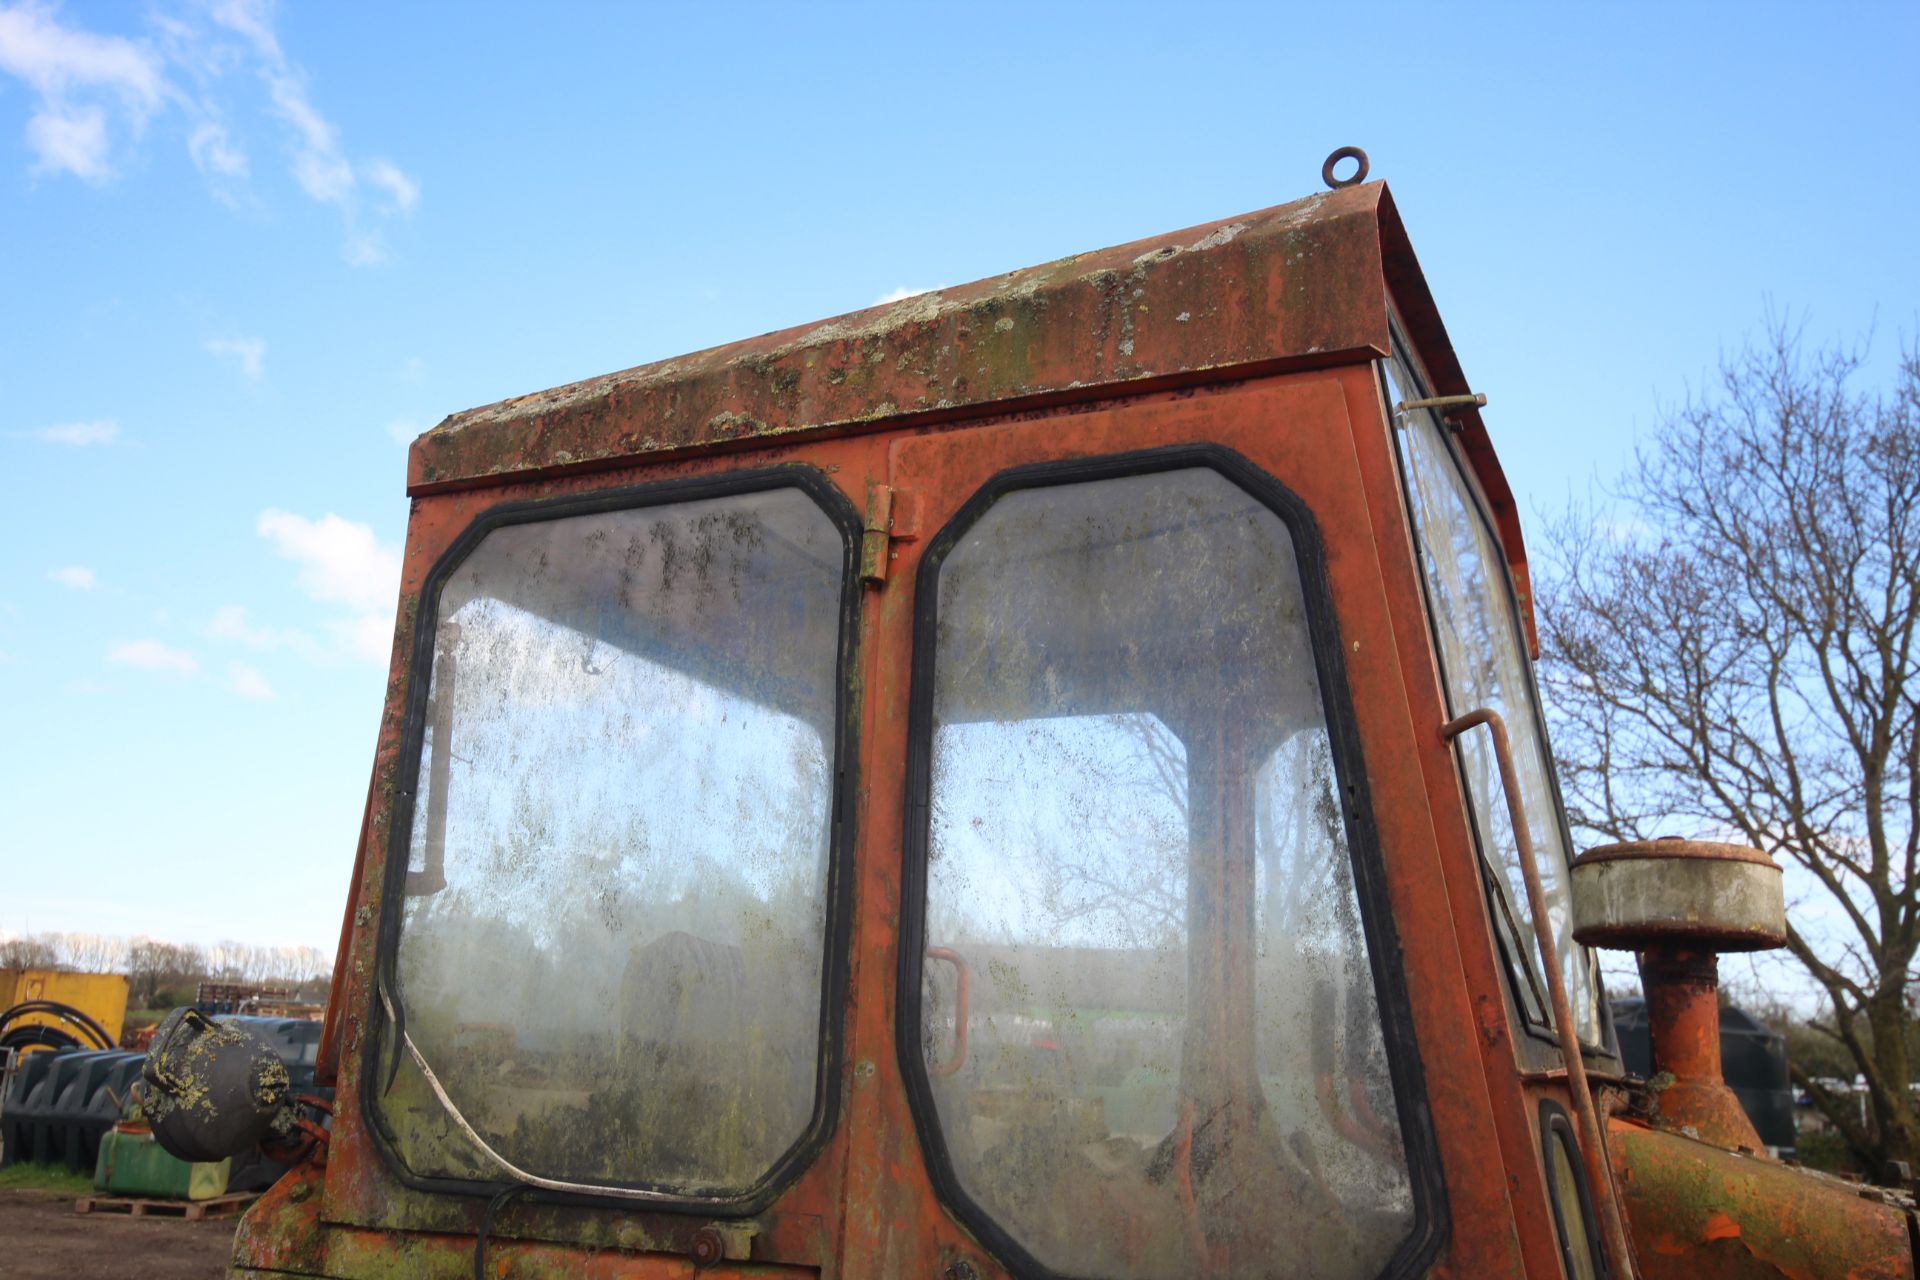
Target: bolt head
707, 1247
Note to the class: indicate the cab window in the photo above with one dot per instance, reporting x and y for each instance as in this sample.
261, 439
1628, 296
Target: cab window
1146, 1035
611, 957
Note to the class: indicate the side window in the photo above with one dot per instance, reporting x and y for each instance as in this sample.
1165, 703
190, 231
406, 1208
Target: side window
1573, 1216
1142, 1017
1484, 663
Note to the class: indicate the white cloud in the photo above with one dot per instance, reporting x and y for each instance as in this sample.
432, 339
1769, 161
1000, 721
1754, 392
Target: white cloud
250, 18
364, 249
403, 431
248, 351
92, 91
56, 59
247, 682
104, 431
79, 577
903, 293
151, 655
368, 636
71, 73
342, 563
319, 164
403, 190
215, 153
73, 139
230, 622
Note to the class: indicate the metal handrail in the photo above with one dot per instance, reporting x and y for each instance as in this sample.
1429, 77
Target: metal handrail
1613, 1229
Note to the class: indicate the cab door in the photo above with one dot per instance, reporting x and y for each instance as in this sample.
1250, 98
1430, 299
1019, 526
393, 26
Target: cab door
1154, 971
615, 970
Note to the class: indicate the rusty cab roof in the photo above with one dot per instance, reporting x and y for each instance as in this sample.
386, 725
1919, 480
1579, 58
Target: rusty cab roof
1297, 286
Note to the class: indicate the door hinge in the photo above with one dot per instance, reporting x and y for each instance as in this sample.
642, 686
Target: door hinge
876, 537
891, 517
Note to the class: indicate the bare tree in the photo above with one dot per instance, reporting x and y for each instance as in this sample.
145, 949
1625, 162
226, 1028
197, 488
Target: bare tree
90, 952
259, 964
30, 951
154, 967
294, 965
1738, 656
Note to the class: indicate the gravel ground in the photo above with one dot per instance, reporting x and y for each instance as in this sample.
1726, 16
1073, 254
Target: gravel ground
42, 1238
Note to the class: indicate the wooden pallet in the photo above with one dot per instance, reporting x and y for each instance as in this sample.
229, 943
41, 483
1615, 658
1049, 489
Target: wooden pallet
191, 1210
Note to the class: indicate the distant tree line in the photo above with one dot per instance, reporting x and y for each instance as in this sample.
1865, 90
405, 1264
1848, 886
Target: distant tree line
161, 974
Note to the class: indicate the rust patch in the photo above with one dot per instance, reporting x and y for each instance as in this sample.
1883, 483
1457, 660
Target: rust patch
1720, 1227
1301, 282
1699, 1213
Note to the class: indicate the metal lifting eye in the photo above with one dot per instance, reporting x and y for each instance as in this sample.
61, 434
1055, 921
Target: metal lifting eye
1359, 174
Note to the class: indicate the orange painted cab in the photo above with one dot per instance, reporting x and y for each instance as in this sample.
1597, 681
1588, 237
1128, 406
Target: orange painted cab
957, 791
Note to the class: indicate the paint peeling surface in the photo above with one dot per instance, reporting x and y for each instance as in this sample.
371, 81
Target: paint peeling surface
1301, 282
282, 1235
1171, 1062
1699, 1213
612, 947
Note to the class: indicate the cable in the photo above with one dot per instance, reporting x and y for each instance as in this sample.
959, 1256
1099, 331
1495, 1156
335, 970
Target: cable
37, 1036
66, 1013
77, 1018
486, 1224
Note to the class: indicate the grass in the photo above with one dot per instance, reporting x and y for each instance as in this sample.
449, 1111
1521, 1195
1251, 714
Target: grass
45, 1177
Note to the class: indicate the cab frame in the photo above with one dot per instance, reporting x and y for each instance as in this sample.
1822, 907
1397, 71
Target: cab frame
1292, 307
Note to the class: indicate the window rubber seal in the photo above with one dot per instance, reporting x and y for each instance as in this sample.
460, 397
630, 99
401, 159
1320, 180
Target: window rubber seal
1429, 1227
373, 1068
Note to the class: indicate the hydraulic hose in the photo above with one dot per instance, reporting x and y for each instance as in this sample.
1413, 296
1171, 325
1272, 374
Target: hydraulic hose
84, 1024
38, 1036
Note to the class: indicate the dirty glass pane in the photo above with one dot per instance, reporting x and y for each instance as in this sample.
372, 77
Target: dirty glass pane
1569, 1210
1483, 659
1171, 1061
611, 948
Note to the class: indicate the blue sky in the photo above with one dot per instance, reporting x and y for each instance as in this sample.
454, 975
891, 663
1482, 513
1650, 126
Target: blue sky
246, 250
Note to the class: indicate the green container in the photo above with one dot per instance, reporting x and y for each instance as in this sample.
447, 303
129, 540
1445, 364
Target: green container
132, 1164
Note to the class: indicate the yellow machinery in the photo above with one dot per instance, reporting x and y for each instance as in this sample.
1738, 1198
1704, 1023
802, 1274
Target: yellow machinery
101, 997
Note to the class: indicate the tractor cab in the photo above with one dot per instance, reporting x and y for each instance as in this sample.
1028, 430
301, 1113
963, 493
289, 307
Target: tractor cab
985, 786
